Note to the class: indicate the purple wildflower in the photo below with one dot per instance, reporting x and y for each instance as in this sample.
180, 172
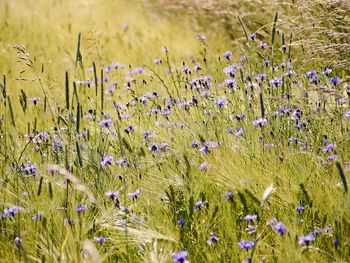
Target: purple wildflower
197, 68
106, 123
195, 144
220, 102
112, 194
306, 239
180, 257
251, 229
213, 238
250, 217
262, 45
289, 73
332, 157
100, 239
57, 145
246, 244
107, 160
153, 148
204, 166
261, 76
186, 70
130, 129
231, 70
200, 204
181, 222
329, 148
311, 74
81, 208
334, 80
164, 146
299, 209
135, 194
29, 169
18, 242
276, 82
227, 55
204, 149
252, 36
34, 100
238, 132
347, 115
280, 228
229, 83
317, 232
12, 211
135, 71
260, 122
157, 61
229, 196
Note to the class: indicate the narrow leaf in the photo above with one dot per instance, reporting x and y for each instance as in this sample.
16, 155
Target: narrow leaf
274, 29
342, 176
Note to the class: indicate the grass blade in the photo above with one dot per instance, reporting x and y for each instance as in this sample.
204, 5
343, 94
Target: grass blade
78, 118
262, 107
274, 29
40, 186
3, 86
342, 176
11, 112
95, 77
290, 46
79, 154
243, 27
78, 56
102, 99
67, 92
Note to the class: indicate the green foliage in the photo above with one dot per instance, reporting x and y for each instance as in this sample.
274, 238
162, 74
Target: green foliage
177, 165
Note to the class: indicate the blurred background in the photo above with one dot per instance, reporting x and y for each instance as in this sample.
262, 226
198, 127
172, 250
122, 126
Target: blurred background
134, 31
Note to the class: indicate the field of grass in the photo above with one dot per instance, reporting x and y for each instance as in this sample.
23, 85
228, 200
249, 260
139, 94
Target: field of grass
131, 135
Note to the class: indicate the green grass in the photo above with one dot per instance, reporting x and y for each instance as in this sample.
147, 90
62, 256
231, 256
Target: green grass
268, 174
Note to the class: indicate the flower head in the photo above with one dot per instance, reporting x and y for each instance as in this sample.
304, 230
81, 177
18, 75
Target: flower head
227, 54
220, 102
306, 239
34, 100
260, 122
276, 82
252, 36
106, 123
213, 238
299, 209
250, 217
135, 194
246, 244
181, 222
262, 45
229, 196
100, 239
81, 208
334, 80
280, 227
107, 160
180, 257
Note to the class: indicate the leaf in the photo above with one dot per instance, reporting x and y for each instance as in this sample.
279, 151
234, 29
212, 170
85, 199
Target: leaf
67, 91
274, 29
243, 27
342, 176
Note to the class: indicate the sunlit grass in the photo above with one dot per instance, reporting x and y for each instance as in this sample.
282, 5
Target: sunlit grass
163, 157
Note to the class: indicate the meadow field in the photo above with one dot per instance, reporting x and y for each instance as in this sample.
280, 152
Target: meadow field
174, 131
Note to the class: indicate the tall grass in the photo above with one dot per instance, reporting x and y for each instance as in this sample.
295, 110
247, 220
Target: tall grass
319, 28
157, 140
